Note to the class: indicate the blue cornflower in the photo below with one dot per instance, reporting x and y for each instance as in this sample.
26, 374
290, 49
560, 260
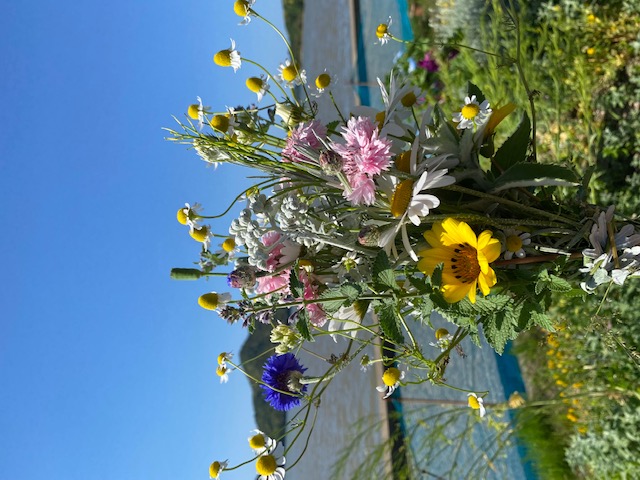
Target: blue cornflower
283, 372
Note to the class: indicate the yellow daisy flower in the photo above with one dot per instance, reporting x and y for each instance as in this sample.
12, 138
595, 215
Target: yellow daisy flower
466, 259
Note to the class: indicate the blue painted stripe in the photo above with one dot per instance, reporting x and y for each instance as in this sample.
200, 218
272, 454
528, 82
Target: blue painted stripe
511, 380
361, 77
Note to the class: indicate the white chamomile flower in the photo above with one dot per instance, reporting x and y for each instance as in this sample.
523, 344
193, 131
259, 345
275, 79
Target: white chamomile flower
214, 301
270, 466
348, 319
222, 371
391, 380
242, 8
322, 82
196, 111
291, 74
365, 361
472, 113
476, 403
348, 265
224, 357
229, 57
216, 468
514, 241
258, 85
188, 215
443, 339
201, 234
224, 123
261, 443
382, 32
408, 202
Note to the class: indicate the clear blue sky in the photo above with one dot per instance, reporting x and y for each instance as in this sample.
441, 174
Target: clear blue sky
107, 367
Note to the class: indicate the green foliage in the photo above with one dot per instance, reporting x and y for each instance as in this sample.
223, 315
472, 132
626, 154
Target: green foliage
383, 275
253, 354
514, 149
303, 325
388, 315
293, 19
612, 451
544, 444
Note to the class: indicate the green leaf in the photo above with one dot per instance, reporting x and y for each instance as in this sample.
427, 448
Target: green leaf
436, 276
534, 175
352, 291
332, 306
541, 284
389, 323
552, 282
542, 320
475, 90
382, 272
426, 307
419, 283
331, 126
484, 306
501, 327
557, 284
514, 149
295, 285
303, 326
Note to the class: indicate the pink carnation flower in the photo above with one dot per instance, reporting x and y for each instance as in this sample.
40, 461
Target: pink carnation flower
364, 151
363, 189
306, 136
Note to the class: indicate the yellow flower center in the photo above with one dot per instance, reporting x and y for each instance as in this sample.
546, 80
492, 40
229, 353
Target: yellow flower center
289, 73
181, 215
208, 301
401, 198
464, 263
257, 441
402, 162
382, 30
241, 8
222, 358
514, 243
194, 111
254, 84
391, 376
323, 80
441, 333
349, 264
220, 123
409, 99
470, 111
266, 465
214, 469
473, 402
199, 234
223, 58
306, 264
221, 370
591, 51
228, 245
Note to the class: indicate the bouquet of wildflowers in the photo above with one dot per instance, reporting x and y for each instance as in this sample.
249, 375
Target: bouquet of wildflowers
362, 227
